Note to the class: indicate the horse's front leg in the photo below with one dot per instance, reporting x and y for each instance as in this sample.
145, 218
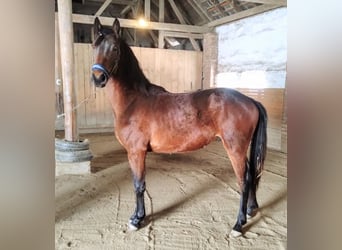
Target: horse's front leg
137, 164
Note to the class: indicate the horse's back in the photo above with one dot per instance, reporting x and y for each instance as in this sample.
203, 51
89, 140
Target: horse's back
225, 102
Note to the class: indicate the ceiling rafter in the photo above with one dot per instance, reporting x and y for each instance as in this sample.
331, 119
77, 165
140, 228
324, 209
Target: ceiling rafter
103, 7
275, 2
125, 10
172, 19
202, 10
242, 14
182, 21
122, 2
198, 11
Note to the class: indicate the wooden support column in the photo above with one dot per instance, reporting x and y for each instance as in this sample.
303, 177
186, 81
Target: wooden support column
147, 11
161, 20
66, 35
210, 58
59, 123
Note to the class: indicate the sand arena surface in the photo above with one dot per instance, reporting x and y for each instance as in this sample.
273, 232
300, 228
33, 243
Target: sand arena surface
191, 202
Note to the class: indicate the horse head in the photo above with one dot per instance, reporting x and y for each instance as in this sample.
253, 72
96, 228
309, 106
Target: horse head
106, 52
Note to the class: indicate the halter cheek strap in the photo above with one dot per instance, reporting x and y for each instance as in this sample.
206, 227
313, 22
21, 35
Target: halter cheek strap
99, 67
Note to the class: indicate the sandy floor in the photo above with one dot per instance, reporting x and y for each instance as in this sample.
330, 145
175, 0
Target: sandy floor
191, 202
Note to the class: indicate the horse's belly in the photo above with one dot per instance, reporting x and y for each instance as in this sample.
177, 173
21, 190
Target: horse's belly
173, 143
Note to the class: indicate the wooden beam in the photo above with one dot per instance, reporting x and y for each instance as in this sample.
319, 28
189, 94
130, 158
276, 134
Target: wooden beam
66, 35
130, 23
275, 2
161, 20
199, 12
130, 36
194, 44
153, 36
161, 39
154, 16
147, 11
103, 7
161, 11
183, 35
177, 12
182, 21
201, 9
122, 2
125, 10
246, 13
218, 7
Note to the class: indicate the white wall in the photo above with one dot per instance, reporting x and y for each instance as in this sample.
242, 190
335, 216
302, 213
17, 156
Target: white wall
252, 52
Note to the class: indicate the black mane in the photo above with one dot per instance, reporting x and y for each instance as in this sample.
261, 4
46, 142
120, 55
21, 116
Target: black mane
129, 72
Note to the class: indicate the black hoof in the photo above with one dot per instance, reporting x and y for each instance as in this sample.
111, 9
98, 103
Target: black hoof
132, 226
135, 222
235, 234
237, 231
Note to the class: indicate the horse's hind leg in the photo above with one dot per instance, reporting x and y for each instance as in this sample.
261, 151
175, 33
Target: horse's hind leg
252, 204
137, 163
245, 188
237, 154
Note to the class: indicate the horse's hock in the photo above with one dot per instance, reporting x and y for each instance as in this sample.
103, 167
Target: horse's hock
72, 157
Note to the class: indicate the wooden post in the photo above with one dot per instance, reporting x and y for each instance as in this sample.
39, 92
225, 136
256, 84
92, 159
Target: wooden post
161, 20
66, 36
210, 57
147, 10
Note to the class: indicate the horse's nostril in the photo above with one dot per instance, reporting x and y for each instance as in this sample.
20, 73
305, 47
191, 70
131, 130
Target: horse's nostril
102, 78
99, 78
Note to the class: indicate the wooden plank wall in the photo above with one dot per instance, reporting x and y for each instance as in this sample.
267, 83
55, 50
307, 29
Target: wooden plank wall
273, 100
95, 113
175, 70
284, 125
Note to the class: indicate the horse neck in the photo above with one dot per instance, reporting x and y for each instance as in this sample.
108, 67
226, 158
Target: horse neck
120, 98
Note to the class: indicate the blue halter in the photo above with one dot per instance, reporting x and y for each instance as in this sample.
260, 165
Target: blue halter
99, 67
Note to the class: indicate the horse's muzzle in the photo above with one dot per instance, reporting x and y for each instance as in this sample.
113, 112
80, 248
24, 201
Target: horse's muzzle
100, 75
100, 80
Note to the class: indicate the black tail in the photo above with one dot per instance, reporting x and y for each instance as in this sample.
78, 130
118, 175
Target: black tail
258, 145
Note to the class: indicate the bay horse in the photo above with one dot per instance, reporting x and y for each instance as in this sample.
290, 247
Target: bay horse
149, 118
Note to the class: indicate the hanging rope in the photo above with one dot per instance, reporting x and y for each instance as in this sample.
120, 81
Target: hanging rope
92, 93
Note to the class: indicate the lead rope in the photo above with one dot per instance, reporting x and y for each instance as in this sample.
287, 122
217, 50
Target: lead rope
92, 93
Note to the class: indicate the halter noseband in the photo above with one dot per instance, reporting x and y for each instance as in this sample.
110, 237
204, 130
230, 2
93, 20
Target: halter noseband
101, 68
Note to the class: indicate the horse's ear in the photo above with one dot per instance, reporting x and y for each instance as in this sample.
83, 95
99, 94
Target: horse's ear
116, 27
97, 26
